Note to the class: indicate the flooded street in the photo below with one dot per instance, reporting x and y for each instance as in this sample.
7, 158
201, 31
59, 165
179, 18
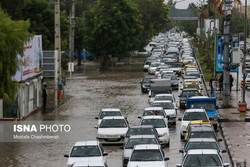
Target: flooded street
87, 92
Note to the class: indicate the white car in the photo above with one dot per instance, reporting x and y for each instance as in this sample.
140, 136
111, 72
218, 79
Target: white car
191, 115
147, 155
152, 67
112, 130
160, 97
154, 111
136, 140
202, 158
108, 112
169, 108
86, 151
161, 125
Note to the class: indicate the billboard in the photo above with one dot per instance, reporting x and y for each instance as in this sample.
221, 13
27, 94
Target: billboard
31, 61
219, 58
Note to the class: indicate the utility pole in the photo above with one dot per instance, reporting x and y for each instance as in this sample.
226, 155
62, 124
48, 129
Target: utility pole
58, 74
226, 73
72, 31
245, 54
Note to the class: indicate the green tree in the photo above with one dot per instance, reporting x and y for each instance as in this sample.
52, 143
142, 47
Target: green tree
112, 28
79, 37
13, 35
154, 19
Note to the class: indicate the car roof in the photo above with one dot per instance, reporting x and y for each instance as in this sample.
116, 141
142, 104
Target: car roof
142, 136
114, 117
202, 129
202, 140
87, 143
153, 117
165, 95
111, 109
195, 110
163, 101
203, 151
153, 108
141, 126
147, 147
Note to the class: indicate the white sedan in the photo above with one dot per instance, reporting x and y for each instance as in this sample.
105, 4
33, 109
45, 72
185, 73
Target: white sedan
112, 130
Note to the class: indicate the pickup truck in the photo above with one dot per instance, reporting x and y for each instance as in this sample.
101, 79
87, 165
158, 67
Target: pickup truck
207, 103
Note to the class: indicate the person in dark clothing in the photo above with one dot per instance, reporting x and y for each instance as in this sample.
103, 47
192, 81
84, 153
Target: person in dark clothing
211, 84
221, 83
231, 82
45, 94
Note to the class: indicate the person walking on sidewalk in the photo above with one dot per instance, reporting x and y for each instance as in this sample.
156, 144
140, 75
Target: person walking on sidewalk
211, 84
221, 83
231, 82
45, 94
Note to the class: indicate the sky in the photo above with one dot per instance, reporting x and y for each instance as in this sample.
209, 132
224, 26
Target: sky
184, 3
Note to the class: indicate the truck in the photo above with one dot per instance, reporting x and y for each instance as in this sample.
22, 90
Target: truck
207, 103
159, 86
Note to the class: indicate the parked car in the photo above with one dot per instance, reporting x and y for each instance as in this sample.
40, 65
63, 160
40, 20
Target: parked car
112, 130
147, 155
86, 150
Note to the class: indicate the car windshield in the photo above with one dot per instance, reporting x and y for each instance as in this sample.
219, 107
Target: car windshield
159, 98
85, 151
191, 116
202, 145
146, 155
140, 131
165, 105
109, 113
132, 142
146, 80
190, 93
113, 123
202, 135
203, 105
157, 123
192, 74
202, 160
153, 112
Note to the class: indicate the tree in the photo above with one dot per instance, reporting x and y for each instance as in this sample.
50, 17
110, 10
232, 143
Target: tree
154, 19
112, 28
79, 37
13, 35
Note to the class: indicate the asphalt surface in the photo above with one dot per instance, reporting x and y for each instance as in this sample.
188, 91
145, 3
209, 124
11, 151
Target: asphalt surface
86, 93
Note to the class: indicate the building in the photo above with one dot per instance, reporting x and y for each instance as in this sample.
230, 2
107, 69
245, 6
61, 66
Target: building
242, 10
29, 76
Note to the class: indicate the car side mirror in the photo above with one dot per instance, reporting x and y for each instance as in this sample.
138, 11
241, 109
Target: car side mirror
105, 154
122, 137
179, 119
139, 117
223, 151
219, 140
178, 165
66, 155
179, 95
166, 158
96, 127
181, 151
226, 164
96, 118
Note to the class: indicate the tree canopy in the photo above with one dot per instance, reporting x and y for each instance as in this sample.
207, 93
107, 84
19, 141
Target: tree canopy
112, 27
13, 35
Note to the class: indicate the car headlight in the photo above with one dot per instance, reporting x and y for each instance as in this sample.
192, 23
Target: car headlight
101, 136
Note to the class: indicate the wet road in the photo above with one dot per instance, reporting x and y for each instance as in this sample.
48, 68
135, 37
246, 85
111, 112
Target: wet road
87, 92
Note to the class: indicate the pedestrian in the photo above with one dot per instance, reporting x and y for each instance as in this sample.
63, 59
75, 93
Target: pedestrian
45, 94
221, 83
211, 84
231, 82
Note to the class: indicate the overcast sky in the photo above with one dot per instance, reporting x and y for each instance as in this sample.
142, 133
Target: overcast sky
184, 3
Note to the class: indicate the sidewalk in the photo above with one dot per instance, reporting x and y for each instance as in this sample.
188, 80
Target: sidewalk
234, 128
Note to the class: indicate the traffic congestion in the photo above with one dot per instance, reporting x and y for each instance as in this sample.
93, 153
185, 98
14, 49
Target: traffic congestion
177, 99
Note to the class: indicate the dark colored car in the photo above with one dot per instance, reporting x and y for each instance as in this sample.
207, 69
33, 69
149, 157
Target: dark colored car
183, 96
174, 81
145, 83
